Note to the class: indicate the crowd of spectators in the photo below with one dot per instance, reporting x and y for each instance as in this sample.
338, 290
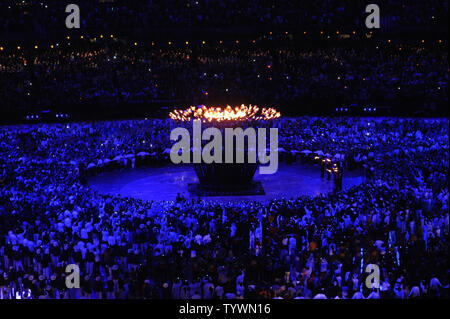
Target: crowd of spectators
306, 247
119, 73
48, 15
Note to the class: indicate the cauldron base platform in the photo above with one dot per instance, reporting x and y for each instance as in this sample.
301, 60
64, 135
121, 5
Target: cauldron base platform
254, 188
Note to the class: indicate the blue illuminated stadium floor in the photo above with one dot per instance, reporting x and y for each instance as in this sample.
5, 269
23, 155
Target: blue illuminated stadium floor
164, 183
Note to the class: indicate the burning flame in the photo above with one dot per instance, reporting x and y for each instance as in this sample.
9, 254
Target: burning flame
210, 114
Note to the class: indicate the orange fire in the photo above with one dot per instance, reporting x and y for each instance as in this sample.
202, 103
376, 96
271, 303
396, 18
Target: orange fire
217, 114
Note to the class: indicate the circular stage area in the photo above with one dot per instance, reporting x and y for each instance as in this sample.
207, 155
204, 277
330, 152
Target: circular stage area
163, 183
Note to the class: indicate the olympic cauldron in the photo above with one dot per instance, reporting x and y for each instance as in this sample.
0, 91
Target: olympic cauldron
221, 179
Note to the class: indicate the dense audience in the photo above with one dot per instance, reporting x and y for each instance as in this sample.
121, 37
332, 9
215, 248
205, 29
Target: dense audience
48, 15
290, 248
118, 74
